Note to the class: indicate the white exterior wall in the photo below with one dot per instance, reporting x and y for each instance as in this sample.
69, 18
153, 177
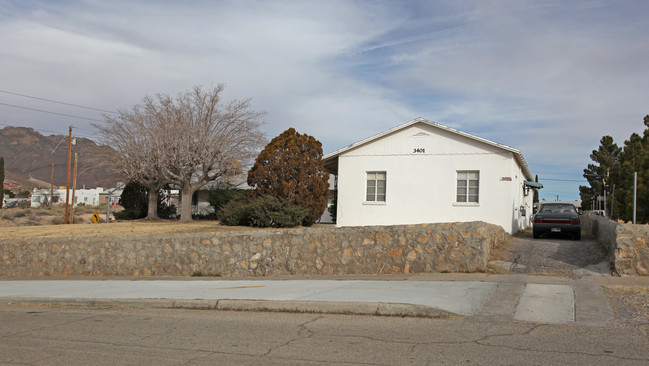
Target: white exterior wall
421, 186
89, 197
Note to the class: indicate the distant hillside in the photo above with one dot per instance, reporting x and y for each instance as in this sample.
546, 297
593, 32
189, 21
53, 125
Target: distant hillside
28, 160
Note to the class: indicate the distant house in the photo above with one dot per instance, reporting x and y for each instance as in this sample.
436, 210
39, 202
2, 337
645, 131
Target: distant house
425, 172
201, 198
88, 197
111, 195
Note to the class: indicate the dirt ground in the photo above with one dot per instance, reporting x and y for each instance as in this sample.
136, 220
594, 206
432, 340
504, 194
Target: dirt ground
630, 305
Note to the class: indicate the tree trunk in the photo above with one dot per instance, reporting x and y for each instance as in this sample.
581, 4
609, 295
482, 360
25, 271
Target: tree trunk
186, 203
152, 214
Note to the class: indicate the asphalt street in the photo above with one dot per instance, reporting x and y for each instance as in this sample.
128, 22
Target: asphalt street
64, 335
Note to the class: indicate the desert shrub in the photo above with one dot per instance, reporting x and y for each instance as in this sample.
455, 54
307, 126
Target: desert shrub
83, 208
21, 212
24, 204
42, 212
7, 215
32, 220
265, 211
56, 220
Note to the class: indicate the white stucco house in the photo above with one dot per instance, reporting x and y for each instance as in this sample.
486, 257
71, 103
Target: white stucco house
89, 197
425, 172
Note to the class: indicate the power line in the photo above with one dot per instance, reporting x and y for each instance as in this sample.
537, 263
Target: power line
36, 129
557, 173
566, 180
50, 112
59, 102
90, 137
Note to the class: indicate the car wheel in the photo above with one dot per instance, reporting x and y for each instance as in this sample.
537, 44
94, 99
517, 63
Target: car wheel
578, 236
535, 235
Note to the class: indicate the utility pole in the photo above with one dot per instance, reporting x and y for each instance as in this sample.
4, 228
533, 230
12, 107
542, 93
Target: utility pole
52, 188
74, 188
67, 185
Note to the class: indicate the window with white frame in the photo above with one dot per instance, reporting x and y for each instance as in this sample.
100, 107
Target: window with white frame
375, 191
468, 186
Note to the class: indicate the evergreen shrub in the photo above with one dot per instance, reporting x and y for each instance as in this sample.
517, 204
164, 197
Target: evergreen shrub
264, 211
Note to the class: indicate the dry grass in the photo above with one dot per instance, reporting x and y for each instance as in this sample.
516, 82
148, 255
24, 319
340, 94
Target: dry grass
17, 223
124, 228
503, 251
556, 273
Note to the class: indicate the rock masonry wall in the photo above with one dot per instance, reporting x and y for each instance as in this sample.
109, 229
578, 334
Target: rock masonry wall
626, 243
452, 247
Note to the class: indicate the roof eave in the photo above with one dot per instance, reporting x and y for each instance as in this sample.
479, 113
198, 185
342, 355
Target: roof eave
328, 159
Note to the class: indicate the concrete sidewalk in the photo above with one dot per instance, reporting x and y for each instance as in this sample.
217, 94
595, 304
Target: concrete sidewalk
526, 298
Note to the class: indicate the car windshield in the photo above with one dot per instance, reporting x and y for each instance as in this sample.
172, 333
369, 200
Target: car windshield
558, 209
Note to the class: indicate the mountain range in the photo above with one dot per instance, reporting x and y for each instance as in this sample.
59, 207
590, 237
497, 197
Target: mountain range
29, 156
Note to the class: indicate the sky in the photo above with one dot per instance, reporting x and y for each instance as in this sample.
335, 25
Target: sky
549, 78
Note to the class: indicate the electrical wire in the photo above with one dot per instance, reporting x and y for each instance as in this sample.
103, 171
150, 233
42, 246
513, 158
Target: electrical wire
90, 137
58, 102
50, 112
566, 180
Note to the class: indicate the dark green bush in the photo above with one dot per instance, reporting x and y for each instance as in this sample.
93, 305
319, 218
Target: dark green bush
206, 216
130, 214
135, 201
265, 211
219, 197
235, 213
166, 212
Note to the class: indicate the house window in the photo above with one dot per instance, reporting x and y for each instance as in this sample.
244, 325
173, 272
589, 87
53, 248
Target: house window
468, 186
375, 187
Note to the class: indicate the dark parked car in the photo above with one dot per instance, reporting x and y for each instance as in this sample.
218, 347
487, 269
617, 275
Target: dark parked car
557, 218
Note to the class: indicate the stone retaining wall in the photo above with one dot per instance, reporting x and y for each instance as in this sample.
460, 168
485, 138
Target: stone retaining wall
626, 243
453, 247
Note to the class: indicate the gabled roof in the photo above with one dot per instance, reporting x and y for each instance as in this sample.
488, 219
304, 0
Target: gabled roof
331, 159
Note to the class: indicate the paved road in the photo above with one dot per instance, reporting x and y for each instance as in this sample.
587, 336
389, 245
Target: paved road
52, 335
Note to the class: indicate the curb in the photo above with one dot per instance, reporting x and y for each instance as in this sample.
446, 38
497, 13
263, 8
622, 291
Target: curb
322, 307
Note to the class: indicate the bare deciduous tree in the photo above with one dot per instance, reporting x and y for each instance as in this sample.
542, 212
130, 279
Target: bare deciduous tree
132, 135
190, 140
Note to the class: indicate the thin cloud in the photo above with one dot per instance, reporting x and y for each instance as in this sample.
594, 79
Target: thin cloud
524, 73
